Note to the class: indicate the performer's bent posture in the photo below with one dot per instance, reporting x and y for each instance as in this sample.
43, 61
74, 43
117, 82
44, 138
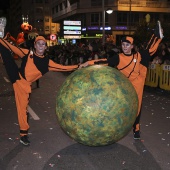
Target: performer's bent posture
133, 66
34, 65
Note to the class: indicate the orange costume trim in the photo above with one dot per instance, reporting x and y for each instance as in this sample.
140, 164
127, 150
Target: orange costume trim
134, 67
32, 68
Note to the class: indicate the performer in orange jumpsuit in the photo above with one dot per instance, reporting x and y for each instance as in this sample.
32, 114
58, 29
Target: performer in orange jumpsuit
133, 66
34, 65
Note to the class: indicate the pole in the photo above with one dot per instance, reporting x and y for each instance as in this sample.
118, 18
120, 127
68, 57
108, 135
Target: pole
103, 22
130, 3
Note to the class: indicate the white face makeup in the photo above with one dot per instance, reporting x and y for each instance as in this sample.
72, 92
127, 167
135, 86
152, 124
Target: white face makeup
127, 47
40, 47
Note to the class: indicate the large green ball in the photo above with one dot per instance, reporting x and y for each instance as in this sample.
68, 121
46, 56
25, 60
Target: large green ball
97, 105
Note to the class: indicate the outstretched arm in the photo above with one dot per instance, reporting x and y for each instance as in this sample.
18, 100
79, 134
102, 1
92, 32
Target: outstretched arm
92, 62
155, 40
21, 52
58, 67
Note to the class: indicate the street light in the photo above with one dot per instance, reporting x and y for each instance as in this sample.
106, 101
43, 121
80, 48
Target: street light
109, 11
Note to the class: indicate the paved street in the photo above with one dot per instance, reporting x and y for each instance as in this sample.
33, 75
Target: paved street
51, 148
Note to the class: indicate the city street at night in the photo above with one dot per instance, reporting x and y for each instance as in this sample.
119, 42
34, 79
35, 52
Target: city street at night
51, 148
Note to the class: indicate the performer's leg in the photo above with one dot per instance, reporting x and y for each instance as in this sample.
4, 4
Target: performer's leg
22, 99
21, 91
136, 126
9, 63
138, 85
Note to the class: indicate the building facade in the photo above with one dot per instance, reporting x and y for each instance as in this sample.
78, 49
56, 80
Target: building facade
38, 13
126, 15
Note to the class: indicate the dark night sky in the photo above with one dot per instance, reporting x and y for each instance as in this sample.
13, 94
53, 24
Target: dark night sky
4, 4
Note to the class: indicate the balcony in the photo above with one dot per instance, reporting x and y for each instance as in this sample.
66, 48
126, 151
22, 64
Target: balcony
70, 10
143, 5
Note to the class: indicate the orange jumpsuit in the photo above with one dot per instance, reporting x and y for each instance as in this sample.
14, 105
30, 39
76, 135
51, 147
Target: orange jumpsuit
32, 68
134, 67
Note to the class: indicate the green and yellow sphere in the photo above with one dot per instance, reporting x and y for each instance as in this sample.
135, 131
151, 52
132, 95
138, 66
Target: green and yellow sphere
96, 105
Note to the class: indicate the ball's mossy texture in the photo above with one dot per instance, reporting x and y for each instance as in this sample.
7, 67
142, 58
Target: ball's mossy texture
96, 105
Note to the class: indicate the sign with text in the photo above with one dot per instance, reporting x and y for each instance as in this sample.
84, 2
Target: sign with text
72, 32
72, 36
72, 29
72, 22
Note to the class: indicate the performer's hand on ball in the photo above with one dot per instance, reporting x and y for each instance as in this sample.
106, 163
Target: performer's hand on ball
83, 65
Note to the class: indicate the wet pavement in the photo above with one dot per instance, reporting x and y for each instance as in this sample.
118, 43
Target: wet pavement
51, 148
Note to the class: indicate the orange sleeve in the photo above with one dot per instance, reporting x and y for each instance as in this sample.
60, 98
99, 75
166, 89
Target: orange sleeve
58, 67
92, 62
153, 44
21, 52
154, 48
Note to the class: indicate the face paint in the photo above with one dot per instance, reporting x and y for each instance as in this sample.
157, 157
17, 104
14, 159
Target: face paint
127, 47
40, 47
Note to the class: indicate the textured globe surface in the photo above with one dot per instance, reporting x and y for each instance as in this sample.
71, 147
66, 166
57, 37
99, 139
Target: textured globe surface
96, 105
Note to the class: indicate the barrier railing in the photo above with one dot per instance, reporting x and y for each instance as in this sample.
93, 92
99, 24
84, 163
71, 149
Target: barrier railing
158, 75
152, 77
164, 82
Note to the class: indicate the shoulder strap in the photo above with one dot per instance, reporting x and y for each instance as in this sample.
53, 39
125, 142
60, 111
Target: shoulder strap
128, 64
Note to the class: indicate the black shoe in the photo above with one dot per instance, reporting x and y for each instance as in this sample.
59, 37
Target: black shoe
158, 30
136, 135
24, 140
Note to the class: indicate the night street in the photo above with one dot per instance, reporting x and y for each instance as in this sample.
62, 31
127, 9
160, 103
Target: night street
51, 148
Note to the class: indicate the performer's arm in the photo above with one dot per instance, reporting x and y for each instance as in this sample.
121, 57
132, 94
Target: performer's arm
92, 62
111, 61
155, 40
21, 52
58, 67
153, 44
8, 36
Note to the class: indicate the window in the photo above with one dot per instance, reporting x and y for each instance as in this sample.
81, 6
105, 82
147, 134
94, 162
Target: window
154, 17
134, 18
61, 7
38, 1
39, 10
47, 19
47, 28
56, 9
53, 28
98, 2
95, 19
122, 18
47, 10
167, 17
106, 19
73, 1
65, 4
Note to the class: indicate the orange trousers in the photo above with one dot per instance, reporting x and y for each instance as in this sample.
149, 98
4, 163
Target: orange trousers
22, 88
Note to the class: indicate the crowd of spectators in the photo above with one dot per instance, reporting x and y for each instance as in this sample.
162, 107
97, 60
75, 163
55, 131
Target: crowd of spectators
162, 56
70, 54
